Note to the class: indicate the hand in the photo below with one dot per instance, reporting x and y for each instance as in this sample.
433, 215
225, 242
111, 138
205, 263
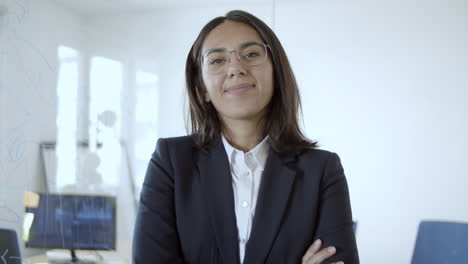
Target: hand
314, 256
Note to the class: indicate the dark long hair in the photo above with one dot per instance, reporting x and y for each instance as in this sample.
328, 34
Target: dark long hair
282, 117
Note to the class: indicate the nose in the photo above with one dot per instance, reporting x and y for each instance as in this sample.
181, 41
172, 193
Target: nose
235, 67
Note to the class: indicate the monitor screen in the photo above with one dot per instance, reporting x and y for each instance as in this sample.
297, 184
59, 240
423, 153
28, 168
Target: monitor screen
71, 222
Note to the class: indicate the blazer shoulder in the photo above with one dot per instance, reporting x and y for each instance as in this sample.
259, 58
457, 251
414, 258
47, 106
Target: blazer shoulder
181, 141
317, 154
320, 158
176, 148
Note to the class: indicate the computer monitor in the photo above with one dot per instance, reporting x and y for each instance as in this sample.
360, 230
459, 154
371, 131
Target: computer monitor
71, 222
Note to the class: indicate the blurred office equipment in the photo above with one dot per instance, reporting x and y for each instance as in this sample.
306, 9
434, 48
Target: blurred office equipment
9, 248
73, 222
441, 242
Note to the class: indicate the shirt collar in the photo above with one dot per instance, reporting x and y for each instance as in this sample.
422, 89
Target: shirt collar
259, 152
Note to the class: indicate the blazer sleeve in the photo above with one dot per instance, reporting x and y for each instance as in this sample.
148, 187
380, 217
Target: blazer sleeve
335, 224
155, 238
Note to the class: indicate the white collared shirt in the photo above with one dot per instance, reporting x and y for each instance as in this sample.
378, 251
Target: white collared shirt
246, 171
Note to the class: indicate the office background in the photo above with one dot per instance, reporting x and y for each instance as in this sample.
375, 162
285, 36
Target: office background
383, 83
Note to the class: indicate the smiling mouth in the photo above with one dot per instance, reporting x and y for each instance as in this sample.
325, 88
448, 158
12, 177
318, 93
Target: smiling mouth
240, 88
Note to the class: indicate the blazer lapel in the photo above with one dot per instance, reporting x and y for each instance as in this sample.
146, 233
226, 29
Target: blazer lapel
275, 188
216, 185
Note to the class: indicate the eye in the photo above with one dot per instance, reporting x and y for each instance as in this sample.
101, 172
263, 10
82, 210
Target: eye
252, 54
216, 61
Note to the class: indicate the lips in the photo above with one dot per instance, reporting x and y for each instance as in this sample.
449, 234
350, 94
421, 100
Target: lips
239, 88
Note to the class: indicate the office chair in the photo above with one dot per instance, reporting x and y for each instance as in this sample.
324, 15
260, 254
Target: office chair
441, 242
9, 248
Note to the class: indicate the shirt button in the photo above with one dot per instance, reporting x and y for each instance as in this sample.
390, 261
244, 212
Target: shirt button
245, 204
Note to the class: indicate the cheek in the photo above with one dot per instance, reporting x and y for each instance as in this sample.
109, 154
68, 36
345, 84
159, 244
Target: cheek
213, 86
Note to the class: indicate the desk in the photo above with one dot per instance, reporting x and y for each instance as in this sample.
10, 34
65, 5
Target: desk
98, 258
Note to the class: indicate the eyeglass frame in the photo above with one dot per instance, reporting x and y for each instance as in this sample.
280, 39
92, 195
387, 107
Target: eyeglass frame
266, 46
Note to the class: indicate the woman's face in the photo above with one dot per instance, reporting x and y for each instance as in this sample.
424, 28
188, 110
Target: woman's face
251, 100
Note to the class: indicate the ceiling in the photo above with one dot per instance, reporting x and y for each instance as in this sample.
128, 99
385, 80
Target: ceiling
99, 7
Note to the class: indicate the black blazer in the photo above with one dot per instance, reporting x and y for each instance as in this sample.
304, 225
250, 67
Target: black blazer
186, 212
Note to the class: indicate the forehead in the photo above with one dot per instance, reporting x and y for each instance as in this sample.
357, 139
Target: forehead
229, 35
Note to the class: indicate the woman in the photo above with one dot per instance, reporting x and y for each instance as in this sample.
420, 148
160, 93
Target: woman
246, 185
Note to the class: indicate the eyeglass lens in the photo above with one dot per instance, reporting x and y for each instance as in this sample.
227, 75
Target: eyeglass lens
250, 54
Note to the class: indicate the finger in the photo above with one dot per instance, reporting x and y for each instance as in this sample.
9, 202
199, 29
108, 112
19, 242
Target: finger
312, 250
339, 262
322, 255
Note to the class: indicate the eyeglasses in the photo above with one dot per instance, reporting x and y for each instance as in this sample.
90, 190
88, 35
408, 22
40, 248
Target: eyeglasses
251, 53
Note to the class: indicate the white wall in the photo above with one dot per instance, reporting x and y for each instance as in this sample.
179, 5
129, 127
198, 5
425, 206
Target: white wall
31, 34
384, 86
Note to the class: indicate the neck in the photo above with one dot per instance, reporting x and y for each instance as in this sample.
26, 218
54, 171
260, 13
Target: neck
243, 134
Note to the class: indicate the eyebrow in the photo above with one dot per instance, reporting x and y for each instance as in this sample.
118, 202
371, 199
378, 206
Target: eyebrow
242, 45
